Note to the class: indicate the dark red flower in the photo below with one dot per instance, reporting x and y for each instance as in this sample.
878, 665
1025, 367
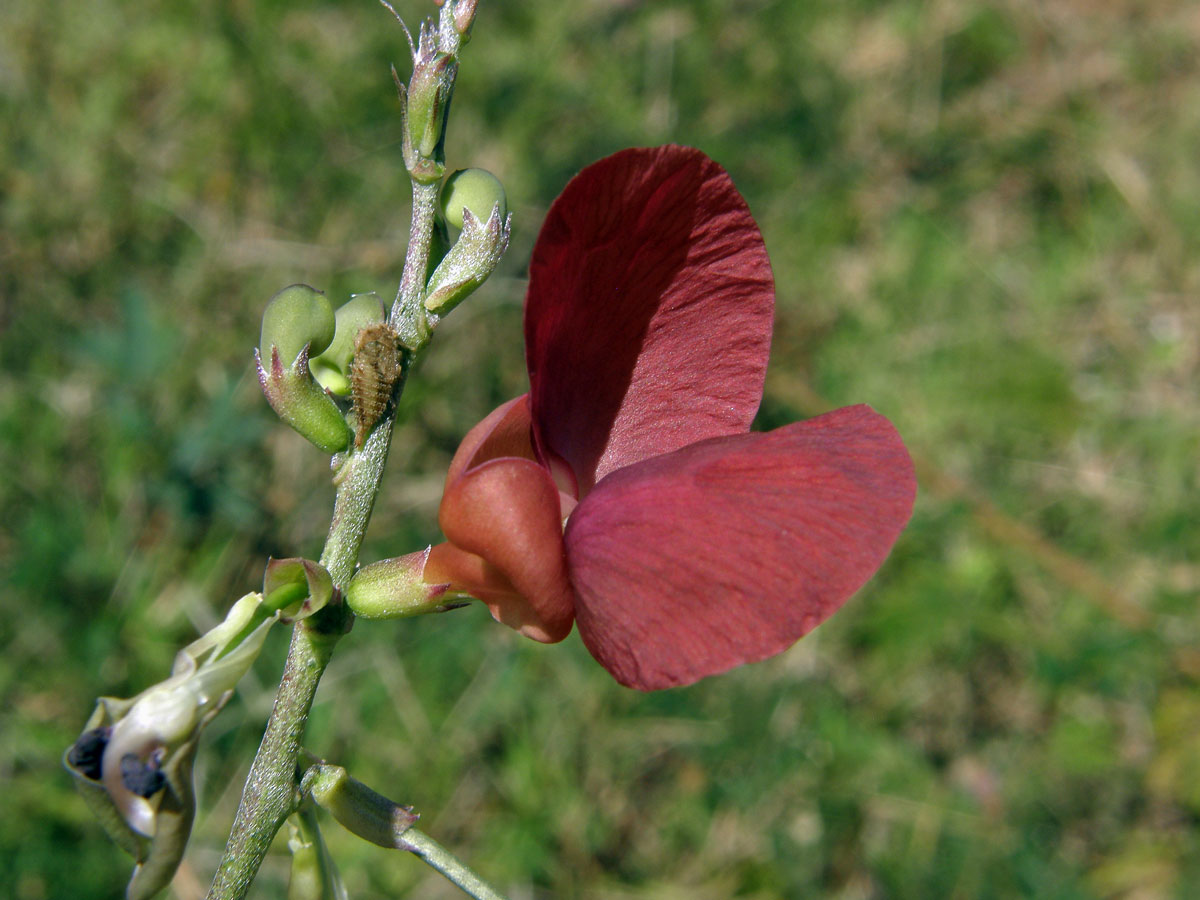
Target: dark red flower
691, 545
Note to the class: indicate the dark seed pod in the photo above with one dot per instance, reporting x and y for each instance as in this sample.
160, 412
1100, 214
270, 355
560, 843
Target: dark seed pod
376, 368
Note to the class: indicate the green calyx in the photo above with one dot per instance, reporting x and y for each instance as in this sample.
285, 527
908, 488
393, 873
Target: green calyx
296, 587
357, 808
469, 262
428, 97
302, 403
426, 102
395, 589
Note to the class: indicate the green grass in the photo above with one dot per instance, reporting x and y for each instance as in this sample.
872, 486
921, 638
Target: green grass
983, 220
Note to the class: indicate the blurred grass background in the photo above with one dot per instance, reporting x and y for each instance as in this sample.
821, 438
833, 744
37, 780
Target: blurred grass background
984, 221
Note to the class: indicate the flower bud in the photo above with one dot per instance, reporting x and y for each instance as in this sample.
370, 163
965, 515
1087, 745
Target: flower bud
394, 589
469, 262
426, 103
298, 322
475, 189
332, 368
464, 17
296, 316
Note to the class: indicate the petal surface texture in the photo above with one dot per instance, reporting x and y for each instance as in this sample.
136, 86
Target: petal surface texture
502, 516
649, 312
730, 550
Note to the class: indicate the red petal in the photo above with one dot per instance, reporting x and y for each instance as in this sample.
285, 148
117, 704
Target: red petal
505, 431
507, 512
648, 316
728, 551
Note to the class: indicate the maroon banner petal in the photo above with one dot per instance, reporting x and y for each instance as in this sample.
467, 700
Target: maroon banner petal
730, 550
649, 311
507, 512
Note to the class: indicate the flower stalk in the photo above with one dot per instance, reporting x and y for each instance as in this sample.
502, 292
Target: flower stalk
437, 856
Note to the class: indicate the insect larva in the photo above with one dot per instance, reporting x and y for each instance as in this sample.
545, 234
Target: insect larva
376, 367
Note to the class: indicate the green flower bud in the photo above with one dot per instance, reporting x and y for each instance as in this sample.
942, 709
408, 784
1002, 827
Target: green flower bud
395, 589
426, 102
332, 368
475, 189
296, 316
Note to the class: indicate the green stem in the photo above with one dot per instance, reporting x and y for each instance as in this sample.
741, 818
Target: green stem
271, 794
441, 859
356, 498
408, 312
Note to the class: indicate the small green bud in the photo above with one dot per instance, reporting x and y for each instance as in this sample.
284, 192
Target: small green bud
426, 102
332, 368
395, 589
296, 316
475, 189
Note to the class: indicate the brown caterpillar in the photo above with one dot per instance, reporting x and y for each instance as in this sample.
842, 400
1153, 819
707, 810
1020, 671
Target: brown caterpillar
376, 367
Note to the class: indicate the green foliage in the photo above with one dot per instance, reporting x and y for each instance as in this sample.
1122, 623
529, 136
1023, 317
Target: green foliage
983, 221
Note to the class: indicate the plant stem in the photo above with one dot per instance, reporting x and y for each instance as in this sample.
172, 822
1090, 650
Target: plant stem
269, 796
408, 312
271, 791
441, 859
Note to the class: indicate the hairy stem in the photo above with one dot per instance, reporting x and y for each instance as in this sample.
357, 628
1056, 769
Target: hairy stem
271, 791
269, 796
408, 312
